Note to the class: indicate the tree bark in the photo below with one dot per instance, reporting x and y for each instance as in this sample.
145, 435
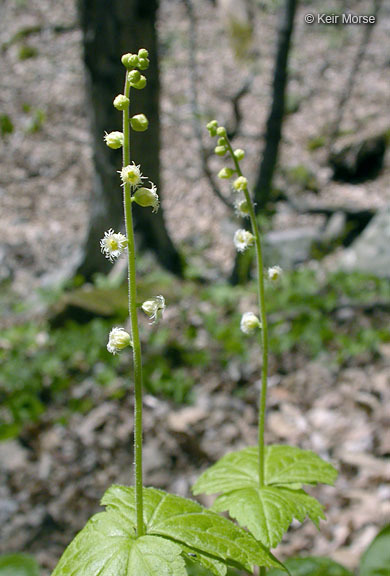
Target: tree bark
262, 188
111, 29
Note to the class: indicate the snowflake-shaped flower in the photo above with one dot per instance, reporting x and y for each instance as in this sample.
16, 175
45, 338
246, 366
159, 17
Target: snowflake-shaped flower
113, 244
131, 174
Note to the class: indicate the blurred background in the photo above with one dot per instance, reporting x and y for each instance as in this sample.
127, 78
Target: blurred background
309, 103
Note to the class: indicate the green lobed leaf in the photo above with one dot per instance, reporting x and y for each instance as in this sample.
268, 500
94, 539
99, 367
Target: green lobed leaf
312, 566
107, 547
18, 565
283, 466
376, 559
268, 512
189, 523
176, 528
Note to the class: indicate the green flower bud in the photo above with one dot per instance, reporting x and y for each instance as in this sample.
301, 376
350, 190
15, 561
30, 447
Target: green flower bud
130, 60
143, 53
221, 131
239, 154
226, 173
147, 197
134, 76
240, 184
143, 63
212, 128
140, 84
220, 150
222, 142
121, 102
114, 140
139, 123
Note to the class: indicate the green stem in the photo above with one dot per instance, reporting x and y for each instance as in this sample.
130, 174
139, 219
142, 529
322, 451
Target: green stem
262, 571
134, 326
263, 317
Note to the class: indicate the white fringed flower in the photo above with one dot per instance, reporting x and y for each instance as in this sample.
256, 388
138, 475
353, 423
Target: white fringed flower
274, 273
118, 340
113, 244
131, 174
154, 308
249, 323
147, 197
243, 239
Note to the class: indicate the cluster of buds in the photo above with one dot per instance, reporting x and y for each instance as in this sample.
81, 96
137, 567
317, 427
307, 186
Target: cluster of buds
140, 60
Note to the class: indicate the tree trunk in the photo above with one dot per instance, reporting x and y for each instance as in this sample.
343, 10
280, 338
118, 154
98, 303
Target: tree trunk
262, 188
111, 29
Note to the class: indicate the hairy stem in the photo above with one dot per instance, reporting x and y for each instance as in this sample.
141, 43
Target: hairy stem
263, 317
134, 326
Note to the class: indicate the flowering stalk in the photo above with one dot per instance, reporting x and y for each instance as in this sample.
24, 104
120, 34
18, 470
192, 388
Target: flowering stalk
134, 322
262, 309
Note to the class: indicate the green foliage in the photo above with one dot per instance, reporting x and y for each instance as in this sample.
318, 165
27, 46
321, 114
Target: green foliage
18, 565
312, 566
36, 121
6, 124
267, 510
26, 51
176, 529
40, 365
315, 143
302, 177
376, 559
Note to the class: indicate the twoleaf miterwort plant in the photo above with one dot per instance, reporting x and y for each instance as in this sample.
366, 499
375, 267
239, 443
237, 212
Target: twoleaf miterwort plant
144, 531
261, 486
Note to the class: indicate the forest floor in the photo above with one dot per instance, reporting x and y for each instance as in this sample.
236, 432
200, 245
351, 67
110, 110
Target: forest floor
51, 481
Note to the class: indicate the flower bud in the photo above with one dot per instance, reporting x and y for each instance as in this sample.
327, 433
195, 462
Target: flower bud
239, 154
274, 273
222, 142
134, 76
118, 340
121, 102
114, 140
221, 131
143, 63
143, 53
154, 308
139, 123
147, 197
240, 184
212, 128
220, 150
140, 84
243, 239
249, 323
129, 60
226, 173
